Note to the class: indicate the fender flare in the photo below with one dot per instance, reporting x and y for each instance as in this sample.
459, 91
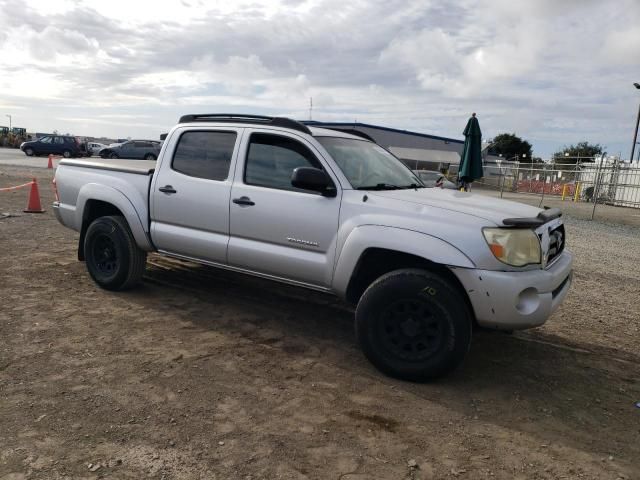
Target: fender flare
420, 244
130, 208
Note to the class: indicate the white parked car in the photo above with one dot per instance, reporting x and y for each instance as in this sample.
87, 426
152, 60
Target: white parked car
94, 147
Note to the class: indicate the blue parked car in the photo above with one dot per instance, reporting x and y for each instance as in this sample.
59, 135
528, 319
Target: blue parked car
64, 145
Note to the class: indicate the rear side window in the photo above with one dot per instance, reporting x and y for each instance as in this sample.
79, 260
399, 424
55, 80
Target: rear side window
271, 160
204, 154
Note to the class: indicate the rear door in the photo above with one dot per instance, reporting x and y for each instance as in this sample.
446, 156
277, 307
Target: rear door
275, 228
57, 146
190, 193
141, 149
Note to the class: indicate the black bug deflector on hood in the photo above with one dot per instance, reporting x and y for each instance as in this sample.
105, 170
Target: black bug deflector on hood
542, 218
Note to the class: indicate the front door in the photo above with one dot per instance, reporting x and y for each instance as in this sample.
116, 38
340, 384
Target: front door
276, 229
190, 194
126, 150
43, 146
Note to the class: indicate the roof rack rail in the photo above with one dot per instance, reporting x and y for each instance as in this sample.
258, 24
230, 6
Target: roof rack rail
246, 118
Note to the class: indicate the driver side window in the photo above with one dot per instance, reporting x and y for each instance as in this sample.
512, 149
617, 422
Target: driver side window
271, 160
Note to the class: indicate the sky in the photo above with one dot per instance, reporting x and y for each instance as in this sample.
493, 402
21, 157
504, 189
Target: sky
554, 72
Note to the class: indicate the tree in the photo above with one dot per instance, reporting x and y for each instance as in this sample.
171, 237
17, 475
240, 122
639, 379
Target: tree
509, 145
582, 151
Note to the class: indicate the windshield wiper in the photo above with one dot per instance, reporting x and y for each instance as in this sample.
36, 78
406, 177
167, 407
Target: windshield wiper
414, 185
380, 186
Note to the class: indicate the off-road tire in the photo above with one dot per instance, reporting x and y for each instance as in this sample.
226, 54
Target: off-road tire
414, 324
113, 258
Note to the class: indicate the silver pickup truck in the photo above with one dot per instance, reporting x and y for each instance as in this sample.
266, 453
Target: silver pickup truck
327, 211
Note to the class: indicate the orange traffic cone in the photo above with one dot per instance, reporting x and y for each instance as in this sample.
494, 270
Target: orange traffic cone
50, 164
33, 206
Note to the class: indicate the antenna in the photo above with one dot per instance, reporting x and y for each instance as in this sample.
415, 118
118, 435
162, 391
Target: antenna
310, 108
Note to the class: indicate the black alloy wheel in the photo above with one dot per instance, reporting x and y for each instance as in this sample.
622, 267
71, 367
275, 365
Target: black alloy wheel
113, 258
414, 324
105, 254
412, 329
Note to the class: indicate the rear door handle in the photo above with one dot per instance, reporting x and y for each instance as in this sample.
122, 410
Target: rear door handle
243, 201
167, 189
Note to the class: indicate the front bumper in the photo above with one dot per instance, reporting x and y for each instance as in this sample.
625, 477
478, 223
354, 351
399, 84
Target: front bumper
517, 300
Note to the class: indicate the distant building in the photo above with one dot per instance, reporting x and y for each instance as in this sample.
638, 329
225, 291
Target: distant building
419, 151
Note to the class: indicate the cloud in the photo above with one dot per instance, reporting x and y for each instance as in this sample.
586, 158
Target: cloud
554, 72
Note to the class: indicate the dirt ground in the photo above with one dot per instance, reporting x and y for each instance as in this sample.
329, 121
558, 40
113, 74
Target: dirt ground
202, 374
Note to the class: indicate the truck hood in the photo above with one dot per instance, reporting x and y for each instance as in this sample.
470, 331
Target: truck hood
489, 208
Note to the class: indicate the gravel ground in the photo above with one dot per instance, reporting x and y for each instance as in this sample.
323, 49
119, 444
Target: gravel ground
206, 374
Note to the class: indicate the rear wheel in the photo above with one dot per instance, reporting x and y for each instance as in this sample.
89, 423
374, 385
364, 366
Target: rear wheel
414, 324
113, 258
66, 153
149, 156
28, 151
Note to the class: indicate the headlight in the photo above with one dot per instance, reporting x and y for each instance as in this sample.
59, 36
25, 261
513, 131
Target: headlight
513, 246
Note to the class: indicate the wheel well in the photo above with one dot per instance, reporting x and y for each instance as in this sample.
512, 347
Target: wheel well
94, 209
375, 262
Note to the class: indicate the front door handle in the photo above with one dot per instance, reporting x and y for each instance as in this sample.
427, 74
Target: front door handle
243, 201
167, 189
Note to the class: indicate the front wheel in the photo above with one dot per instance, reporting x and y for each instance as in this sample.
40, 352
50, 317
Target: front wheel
66, 154
113, 258
113, 155
414, 324
28, 152
149, 156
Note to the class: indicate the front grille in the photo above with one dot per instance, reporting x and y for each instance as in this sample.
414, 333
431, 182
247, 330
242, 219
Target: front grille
557, 241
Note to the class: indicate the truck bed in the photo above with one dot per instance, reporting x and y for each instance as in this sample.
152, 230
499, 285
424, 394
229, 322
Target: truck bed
124, 184
138, 167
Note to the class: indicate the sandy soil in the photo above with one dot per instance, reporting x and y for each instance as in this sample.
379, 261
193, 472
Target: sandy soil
206, 374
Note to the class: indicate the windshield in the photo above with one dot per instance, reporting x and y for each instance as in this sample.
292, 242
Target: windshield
368, 166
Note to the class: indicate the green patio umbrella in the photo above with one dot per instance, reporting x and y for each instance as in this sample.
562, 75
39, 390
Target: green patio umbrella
471, 158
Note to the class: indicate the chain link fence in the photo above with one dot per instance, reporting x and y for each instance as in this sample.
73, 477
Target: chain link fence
595, 181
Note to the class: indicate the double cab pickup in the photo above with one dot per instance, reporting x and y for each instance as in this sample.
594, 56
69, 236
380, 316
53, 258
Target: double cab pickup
328, 211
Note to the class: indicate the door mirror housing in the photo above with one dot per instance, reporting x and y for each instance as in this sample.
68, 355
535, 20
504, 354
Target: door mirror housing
314, 179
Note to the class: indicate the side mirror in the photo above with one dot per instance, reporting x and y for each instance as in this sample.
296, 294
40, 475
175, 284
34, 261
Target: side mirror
314, 179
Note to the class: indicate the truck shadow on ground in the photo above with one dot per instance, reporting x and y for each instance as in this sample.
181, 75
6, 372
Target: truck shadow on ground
547, 386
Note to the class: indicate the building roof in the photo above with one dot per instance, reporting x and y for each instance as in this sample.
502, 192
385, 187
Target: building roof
426, 155
356, 125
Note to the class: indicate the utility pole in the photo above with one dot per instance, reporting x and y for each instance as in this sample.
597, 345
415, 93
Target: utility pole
10, 122
310, 108
635, 134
